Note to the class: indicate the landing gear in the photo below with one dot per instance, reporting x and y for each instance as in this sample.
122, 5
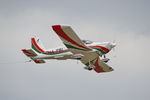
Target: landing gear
89, 66
105, 59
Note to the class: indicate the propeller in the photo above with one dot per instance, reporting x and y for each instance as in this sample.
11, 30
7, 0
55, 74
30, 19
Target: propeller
114, 45
114, 50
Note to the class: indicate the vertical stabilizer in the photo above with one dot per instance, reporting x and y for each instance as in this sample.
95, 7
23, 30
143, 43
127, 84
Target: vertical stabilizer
37, 45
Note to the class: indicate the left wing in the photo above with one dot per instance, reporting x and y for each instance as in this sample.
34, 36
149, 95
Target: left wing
69, 38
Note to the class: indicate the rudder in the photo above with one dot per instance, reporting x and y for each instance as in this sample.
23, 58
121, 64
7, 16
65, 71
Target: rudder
37, 45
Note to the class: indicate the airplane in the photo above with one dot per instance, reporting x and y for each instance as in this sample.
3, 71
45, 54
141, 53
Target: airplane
86, 51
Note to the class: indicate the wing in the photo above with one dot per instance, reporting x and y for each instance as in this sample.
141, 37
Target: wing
69, 38
100, 66
58, 57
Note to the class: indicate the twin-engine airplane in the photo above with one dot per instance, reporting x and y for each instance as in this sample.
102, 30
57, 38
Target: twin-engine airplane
84, 50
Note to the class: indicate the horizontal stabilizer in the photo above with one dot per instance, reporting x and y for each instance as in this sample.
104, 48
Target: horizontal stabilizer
29, 52
39, 61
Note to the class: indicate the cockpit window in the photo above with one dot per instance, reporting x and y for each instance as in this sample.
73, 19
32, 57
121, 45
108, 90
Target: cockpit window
87, 41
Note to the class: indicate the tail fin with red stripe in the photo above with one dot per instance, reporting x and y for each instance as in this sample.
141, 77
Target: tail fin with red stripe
37, 45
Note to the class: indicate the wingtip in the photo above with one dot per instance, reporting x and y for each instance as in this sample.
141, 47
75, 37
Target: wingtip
53, 26
23, 50
58, 26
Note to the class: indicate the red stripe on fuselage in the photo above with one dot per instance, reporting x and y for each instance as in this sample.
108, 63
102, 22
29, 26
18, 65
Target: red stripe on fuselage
41, 50
60, 32
101, 47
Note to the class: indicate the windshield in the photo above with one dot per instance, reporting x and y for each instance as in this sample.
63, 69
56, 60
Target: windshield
87, 41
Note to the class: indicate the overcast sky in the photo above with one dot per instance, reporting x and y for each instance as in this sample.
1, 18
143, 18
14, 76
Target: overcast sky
125, 21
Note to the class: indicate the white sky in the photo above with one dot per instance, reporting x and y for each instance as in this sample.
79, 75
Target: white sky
126, 21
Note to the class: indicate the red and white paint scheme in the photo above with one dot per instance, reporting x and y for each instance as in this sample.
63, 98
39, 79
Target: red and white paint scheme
87, 52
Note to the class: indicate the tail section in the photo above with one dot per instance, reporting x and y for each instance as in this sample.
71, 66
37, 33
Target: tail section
30, 53
37, 45
39, 61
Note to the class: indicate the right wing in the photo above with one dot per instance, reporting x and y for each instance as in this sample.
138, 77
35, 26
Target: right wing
100, 66
70, 38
